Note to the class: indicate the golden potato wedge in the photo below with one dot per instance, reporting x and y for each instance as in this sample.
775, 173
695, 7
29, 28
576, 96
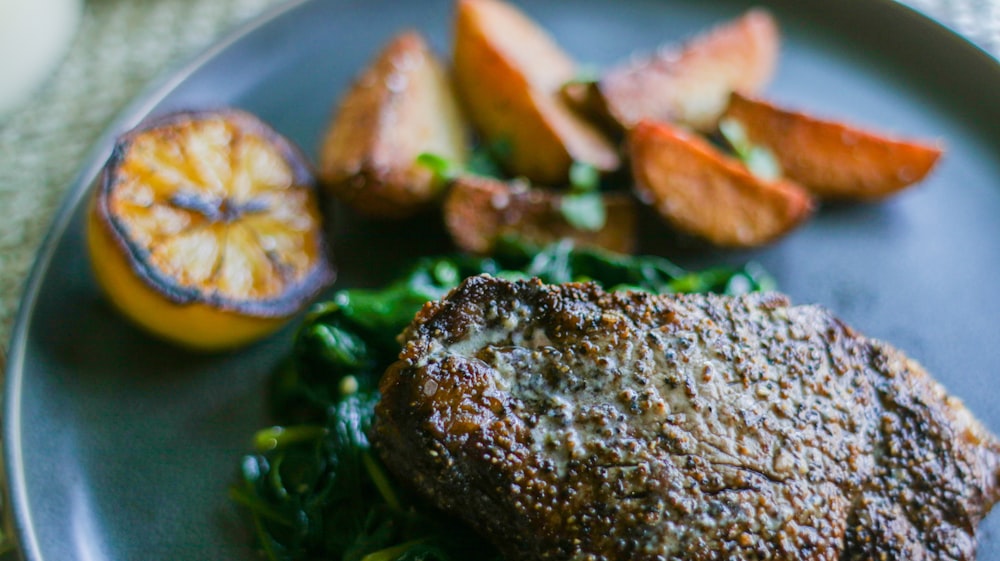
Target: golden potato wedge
690, 84
480, 210
402, 105
833, 160
508, 73
702, 192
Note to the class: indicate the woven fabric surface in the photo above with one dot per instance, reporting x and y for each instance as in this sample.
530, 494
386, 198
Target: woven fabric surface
122, 45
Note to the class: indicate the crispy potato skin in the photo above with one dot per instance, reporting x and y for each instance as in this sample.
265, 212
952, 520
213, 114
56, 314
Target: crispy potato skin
480, 210
400, 106
508, 73
702, 192
833, 160
690, 84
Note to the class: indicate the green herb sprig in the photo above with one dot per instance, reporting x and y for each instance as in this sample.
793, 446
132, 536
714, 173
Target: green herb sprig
583, 207
758, 159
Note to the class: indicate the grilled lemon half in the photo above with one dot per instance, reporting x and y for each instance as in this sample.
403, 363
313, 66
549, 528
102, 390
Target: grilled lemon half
205, 229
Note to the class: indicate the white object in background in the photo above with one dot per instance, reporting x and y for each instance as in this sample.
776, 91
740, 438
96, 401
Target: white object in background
34, 36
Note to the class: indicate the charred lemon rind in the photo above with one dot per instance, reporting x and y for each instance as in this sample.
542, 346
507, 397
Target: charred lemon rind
272, 207
206, 327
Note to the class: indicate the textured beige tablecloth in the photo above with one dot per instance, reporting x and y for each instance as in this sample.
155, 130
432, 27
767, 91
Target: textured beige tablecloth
120, 47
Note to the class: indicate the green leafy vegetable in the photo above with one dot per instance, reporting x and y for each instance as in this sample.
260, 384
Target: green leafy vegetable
443, 168
314, 488
758, 159
584, 211
483, 161
583, 177
584, 207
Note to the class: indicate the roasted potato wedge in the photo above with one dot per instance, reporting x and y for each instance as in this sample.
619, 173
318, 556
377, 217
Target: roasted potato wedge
833, 160
702, 192
480, 210
508, 73
690, 84
400, 106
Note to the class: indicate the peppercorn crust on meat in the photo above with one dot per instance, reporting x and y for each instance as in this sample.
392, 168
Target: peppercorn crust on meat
564, 422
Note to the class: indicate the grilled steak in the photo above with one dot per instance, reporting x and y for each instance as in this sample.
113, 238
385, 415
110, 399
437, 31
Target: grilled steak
564, 422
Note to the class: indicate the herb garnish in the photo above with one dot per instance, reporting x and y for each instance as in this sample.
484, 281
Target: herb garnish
583, 207
758, 159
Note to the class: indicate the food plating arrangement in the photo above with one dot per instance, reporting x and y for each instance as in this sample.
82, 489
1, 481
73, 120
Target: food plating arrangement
545, 390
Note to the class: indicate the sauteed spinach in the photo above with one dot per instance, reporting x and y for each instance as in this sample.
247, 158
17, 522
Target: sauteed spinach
314, 487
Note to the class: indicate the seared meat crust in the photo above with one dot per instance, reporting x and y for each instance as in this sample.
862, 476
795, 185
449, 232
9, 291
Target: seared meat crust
564, 422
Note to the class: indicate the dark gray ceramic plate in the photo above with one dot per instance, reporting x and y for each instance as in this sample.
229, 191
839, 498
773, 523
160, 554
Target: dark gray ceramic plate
120, 447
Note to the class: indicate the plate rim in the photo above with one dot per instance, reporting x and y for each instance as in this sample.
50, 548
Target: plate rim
16, 503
